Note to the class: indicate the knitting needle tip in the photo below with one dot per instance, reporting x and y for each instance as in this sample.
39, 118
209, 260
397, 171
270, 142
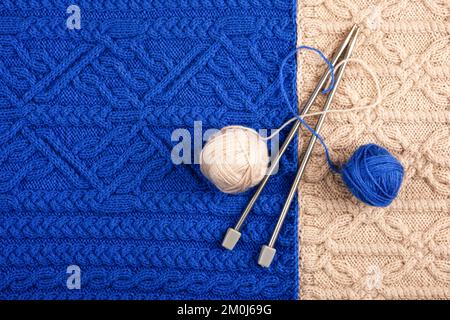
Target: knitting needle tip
231, 238
266, 256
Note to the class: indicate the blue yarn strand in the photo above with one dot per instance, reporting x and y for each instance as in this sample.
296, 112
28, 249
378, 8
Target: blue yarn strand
332, 165
289, 56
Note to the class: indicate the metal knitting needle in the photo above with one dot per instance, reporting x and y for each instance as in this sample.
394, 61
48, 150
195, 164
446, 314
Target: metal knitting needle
233, 235
268, 251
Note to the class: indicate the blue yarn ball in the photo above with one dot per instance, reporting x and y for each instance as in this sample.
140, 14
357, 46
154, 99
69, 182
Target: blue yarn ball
373, 175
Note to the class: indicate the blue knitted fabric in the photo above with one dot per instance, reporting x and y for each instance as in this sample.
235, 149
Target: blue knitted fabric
86, 176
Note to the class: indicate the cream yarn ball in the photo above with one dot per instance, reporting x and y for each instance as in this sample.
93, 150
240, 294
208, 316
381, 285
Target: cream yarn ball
235, 159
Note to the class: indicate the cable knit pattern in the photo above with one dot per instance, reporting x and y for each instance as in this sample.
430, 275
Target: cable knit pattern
86, 118
350, 250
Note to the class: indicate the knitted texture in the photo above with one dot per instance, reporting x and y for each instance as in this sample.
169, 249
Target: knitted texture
350, 250
86, 176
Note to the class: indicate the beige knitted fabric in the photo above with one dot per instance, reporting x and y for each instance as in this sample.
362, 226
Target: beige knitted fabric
349, 250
